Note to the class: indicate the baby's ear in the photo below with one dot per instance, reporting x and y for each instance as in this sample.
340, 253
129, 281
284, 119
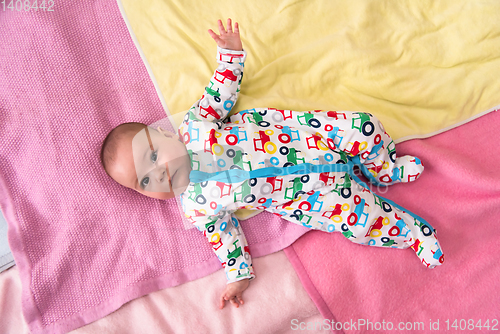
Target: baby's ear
167, 133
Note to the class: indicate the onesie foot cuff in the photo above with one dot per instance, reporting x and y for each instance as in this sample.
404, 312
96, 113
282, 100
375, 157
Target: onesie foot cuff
427, 248
409, 168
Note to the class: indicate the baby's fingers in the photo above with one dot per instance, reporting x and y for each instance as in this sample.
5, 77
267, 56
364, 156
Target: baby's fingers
215, 37
235, 302
222, 302
221, 28
213, 34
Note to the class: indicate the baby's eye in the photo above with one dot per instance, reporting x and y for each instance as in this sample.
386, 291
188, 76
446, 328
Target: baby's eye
154, 156
144, 182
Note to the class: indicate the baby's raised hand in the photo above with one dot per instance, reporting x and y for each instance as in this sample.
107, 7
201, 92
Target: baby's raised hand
233, 293
228, 39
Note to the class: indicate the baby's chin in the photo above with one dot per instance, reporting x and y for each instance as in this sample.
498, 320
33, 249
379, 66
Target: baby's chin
158, 195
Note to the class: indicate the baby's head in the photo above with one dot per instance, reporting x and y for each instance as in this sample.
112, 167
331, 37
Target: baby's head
153, 162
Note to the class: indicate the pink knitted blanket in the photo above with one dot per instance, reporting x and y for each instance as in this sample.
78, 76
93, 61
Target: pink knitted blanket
85, 245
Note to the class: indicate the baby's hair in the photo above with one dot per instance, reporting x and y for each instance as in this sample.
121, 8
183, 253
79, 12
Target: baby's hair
109, 146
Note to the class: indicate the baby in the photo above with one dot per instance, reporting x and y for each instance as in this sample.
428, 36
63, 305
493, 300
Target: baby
298, 165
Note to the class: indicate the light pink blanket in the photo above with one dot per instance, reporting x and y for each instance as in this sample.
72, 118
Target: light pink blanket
275, 302
85, 245
459, 195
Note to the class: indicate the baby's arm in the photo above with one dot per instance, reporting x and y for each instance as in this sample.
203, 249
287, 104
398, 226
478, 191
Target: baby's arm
229, 244
224, 86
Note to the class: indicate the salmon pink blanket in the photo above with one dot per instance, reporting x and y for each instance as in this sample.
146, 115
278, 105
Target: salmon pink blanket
459, 194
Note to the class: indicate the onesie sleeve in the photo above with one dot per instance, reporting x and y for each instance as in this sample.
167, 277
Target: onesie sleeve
226, 237
222, 91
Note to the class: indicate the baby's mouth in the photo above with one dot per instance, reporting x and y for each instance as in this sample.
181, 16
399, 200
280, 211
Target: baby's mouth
169, 177
171, 180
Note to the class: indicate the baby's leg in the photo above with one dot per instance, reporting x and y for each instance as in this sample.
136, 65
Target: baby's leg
363, 138
359, 135
370, 147
365, 218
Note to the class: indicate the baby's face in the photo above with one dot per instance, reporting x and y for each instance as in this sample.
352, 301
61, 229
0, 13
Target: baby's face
156, 164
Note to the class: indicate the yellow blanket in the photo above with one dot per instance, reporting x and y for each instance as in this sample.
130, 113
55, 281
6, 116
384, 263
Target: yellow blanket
422, 67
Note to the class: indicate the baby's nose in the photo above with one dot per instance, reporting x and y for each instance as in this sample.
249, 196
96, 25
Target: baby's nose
160, 174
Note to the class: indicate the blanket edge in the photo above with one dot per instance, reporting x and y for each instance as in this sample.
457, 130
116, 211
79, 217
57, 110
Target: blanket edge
320, 303
451, 127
